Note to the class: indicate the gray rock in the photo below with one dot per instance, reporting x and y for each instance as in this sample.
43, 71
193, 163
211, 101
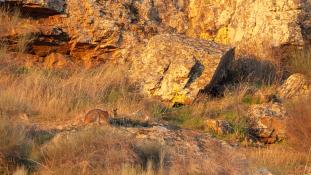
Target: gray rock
175, 67
294, 87
268, 122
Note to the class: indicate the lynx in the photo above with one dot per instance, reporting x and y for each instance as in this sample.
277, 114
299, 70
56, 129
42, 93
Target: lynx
96, 116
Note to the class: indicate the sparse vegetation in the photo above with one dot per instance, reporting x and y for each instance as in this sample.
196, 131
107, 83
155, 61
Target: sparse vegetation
279, 159
64, 94
50, 97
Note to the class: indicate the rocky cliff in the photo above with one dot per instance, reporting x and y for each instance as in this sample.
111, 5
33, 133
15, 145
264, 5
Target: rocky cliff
93, 32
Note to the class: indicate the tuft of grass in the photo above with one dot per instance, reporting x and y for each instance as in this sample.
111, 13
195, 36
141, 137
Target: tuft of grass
299, 123
250, 100
62, 94
184, 116
279, 159
20, 171
9, 19
23, 41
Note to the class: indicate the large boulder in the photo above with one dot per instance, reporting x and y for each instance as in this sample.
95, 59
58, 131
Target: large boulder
268, 122
175, 67
294, 87
253, 26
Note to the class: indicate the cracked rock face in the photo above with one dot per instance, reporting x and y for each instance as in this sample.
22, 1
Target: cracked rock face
254, 26
175, 65
176, 68
269, 122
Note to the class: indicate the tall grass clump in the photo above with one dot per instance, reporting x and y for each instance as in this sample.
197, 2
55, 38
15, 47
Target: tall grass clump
14, 146
9, 19
299, 124
279, 159
50, 94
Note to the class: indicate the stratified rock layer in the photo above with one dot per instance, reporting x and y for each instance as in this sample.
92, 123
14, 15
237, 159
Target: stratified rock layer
176, 68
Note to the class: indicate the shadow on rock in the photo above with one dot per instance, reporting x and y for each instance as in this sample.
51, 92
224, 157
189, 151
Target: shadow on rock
126, 122
248, 69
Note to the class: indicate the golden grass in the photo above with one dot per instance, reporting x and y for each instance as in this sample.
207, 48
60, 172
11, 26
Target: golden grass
9, 19
111, 151
89, 151
63, 94
15, 30
50, 95
279, 159
294, 156
299, 124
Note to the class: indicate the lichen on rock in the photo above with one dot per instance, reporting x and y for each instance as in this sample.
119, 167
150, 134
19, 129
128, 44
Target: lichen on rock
176, 68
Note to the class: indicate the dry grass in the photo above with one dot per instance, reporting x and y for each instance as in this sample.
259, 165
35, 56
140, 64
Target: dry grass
110, 151
9, 19
299, 124
279, 159
15, 31
294, 157
89, 151
63, 94
51, 95
23, 41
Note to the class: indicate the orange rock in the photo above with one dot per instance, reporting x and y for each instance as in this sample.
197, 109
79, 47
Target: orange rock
55, 60
268, 122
